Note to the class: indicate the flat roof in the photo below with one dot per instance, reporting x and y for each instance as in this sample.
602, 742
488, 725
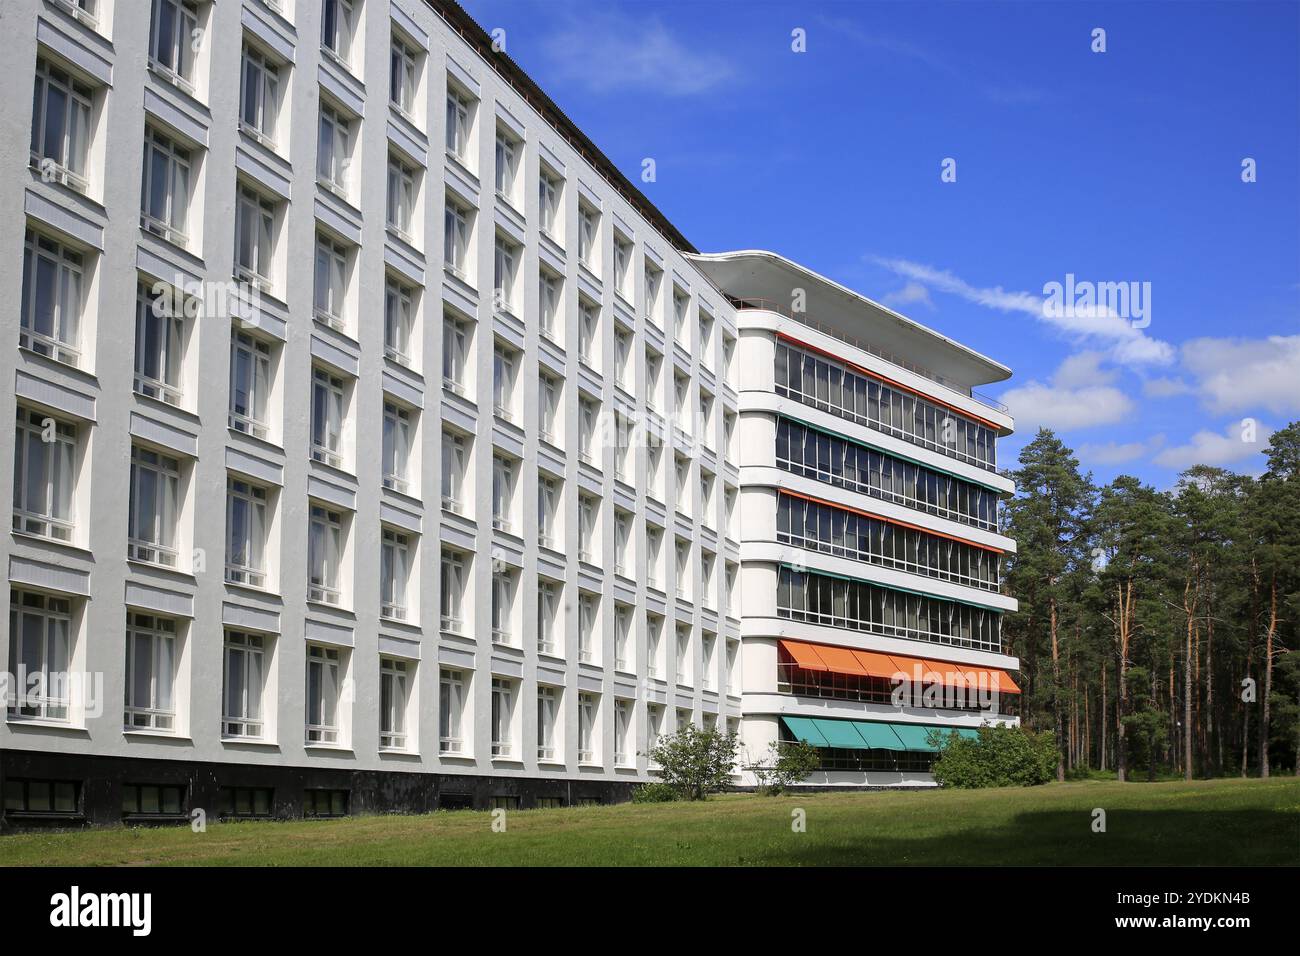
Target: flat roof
510, 71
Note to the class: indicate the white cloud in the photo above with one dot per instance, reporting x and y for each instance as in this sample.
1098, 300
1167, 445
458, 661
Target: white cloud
1094, 324
911, 294
1221, 449
1117, 453
1079, 396
1165, 387
608, 52
1241, 374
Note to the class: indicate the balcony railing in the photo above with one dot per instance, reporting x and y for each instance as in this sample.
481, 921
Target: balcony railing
767, 305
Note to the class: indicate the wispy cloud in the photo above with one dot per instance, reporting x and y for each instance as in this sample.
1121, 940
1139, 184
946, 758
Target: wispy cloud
1241, 374
609, 51
1118, 453
1232, 446
1165, 387
1092, 326
1080, 395
911, 294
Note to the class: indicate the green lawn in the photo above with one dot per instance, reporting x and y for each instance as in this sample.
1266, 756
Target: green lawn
1219, 822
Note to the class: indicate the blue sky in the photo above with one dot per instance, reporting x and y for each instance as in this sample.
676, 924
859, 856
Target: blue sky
1122, 166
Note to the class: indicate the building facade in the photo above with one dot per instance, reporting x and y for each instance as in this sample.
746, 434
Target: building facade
378, 446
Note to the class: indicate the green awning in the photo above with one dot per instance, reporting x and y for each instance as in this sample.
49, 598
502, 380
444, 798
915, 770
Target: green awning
878, 736
806, 730
914, 736
967, 732
840, 733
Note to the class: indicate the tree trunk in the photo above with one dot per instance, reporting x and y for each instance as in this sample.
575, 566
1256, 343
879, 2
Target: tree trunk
1102, 761
1056, 691
1121, 701
1211, 732
1268, 676
1189, 605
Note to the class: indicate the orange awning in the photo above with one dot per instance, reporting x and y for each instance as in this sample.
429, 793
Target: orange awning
843, 660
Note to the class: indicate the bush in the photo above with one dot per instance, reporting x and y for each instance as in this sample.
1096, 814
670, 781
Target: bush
694, 762
654, 793
998, 757
786, 765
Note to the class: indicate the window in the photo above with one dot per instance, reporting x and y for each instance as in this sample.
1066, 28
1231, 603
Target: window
394, 694
41, 796
259, 96
588, 224
682, 402
402, 75
505, 261
155, 493
681, 307
708, 562
399, 321
548, 295
682, 551
250, 384
587, 728
251, 802
728, 355
159, 344
324, 555
324, 687
588, 626
548, 503
729, 583
254, 237
333, 149
172, 33
588, 506
45, 454
706, 497
453, 470
507, 165
733, 667
53, 280
165, 187
625, 439
654, 470
548, 407
401, 198
151, 799
459, 118
682, 468
588, 333
623, 755
547, 611
653, 280
338, 28
654, 632
706, 418
455, 236
683, 653
705, 346
451, 707
395, 559
547, 711
654, 364
452, 591
588, 420
623, 637
397, 443
503, 492
151, 655
622, 541
455, 353
61, 113
503, 607
327, 418
246, 533
548, 204
324, 803
502, 716
244, 673
653, 543
654, 718
623, 357
40, 649
709, 645
331, 282
622, 266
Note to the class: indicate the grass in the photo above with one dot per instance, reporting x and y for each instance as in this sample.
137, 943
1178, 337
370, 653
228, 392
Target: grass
1213, 822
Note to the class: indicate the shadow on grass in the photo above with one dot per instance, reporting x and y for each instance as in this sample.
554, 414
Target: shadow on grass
1066, 838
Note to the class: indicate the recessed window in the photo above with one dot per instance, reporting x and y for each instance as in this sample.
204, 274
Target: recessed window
398, 439
588, 510
588, 423
588, 626
331, 282
588, 333
399, 321
42, 797
504, 371
508, 149
454, 463
548, 408
255, 222
455, 250
505, 266
548, 505
654, 631
503, 703
623, 637
394, 699
549, 286
324, 555
588, 706
327, 404
334, 149
623, 751
455, 353
45, 456
549, 189
251, 802
548, 605
61, 126
548, 709
588, 237
245, 681
324, 803
653, 280
52, 298
503, 607
460, 118
451, 710
324, 688
153, 800
173, 30
623, 266
683, 654
395, 560
40, 649
250, 384
151, 656
338, 28
165, 187
403, 75
623, 357
153, 506
159, 342
247, 522
401, 197
452, 589
503, 490
259, 95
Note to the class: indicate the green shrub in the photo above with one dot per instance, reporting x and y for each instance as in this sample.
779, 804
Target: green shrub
998, 757
654, 793
695, 762
785, 765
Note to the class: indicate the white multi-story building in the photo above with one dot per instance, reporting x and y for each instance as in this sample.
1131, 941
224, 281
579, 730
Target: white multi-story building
378, 445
